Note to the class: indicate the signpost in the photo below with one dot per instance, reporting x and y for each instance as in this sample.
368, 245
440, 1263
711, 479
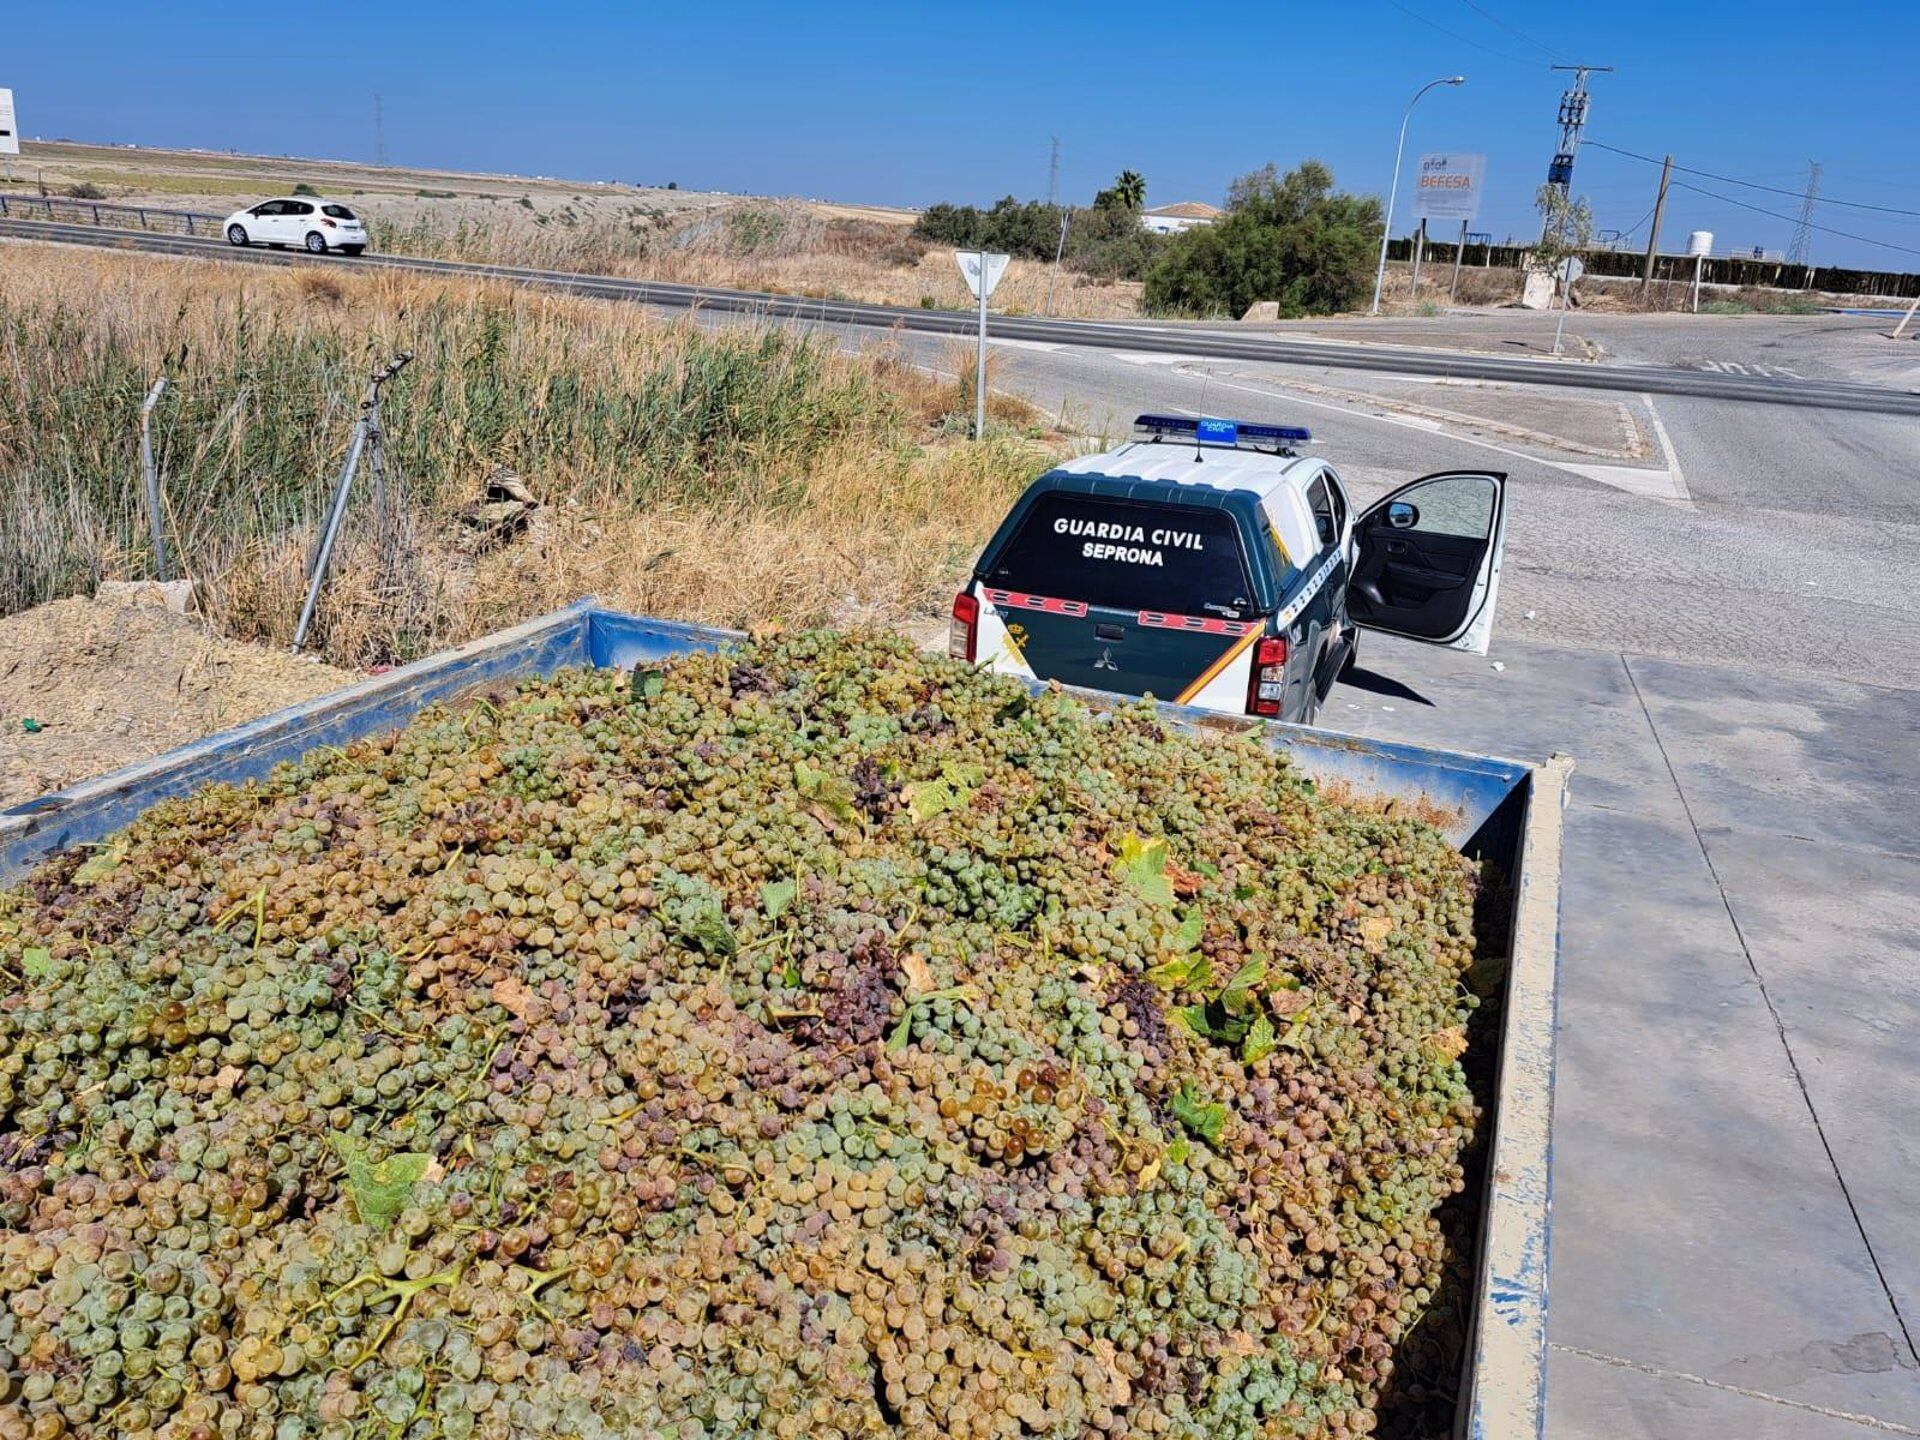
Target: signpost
9, 132
1449, 188
981, 271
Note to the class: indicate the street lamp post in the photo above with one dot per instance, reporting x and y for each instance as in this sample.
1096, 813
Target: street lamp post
1393, 191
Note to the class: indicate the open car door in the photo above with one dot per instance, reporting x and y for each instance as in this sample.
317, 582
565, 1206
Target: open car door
1427, 560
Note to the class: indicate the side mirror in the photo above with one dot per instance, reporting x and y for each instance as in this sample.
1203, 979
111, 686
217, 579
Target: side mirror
1402, 516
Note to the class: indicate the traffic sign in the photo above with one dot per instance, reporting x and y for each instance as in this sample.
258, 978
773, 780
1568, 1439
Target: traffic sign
9, 131
972, 262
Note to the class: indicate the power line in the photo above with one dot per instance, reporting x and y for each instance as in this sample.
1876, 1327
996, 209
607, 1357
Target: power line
1463, 39
1484, 14
1752, 185
1794, 219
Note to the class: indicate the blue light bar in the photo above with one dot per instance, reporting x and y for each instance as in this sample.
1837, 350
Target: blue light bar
1230, 434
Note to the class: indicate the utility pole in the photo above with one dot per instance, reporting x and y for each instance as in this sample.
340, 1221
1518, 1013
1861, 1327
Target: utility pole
1803, 232
1573, 119
1053, 174
379, 130
1653, 239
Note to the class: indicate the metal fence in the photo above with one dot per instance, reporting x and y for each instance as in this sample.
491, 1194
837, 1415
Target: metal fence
1718, 269
100, 212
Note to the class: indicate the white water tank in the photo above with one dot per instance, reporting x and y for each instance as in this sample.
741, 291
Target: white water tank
1700, 242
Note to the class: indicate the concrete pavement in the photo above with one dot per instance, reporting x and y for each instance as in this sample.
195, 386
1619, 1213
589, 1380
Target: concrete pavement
1737, 1106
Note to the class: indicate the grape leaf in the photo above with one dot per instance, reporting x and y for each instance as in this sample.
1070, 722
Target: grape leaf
902, 1033
1200, 1117
380, 1188
1250, 974
776, 896
101, 863
928, 798
1178, 1149
1260, 1039
1191, 926
790, 977
1191, 972
647, 683
705, 923
964, 774
1143, 865
1212, 872
831, 791
36, 962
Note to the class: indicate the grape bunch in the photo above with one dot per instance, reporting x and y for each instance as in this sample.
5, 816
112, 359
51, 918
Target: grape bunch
817, 1039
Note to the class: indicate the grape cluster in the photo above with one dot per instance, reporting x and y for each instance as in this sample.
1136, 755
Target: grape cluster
819, 1039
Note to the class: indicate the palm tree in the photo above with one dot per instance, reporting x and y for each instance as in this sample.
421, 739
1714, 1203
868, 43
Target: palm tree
1128, 192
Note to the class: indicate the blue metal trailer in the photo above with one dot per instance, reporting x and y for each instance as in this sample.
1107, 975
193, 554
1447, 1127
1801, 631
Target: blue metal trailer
1506, 811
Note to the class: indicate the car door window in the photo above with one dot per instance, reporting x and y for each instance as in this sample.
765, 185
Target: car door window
1337, 496
298, 208
1325, 520
1427, 559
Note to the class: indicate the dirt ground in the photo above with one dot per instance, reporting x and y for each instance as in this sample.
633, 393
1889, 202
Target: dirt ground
110, 683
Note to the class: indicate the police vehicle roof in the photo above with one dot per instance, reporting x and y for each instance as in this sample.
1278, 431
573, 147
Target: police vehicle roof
1171, 462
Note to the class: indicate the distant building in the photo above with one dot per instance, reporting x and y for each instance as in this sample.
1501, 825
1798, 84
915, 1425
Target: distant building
1173, 219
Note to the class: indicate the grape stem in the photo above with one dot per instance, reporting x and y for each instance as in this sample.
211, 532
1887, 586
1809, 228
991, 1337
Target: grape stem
404, 1291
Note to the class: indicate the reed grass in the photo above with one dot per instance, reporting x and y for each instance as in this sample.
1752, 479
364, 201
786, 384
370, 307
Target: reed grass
708, 472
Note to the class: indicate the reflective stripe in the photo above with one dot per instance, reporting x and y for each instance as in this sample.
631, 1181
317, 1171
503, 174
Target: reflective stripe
1312, 588
1017, 601
1195, 624
1233, 652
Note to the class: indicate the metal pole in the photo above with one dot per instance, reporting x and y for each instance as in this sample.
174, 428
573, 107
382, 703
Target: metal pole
150, 473
1653, 239
367, 421
1699, 262
1419, 246
1459, 254
1393, 190
1900, 329
1566, 287
980, 362
1058, 251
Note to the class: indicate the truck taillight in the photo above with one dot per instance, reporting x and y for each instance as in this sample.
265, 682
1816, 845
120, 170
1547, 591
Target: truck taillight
1267, 685
963, 630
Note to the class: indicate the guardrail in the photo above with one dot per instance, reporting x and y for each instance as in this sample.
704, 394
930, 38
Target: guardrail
109, 216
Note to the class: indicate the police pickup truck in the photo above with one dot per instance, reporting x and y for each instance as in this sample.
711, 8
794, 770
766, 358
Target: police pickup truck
1210, 563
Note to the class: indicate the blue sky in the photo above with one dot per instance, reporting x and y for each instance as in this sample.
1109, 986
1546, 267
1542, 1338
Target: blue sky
907, 104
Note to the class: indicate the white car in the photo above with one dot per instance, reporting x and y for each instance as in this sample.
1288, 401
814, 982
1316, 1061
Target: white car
315, 224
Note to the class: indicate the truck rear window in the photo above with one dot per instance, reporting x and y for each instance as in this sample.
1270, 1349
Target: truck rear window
1127, 555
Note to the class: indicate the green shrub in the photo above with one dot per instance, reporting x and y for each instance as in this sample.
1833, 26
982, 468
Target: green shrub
304, 189
1292, 239
87, 190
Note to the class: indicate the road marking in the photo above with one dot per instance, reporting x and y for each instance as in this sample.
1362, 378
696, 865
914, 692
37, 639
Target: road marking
1647, 483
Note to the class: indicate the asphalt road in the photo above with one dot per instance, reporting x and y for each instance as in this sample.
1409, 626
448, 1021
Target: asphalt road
1270, 346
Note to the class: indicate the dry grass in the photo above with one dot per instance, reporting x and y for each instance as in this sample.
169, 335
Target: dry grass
780, 247
724, 475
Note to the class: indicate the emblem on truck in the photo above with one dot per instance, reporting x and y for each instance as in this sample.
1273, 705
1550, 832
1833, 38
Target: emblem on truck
1105, 662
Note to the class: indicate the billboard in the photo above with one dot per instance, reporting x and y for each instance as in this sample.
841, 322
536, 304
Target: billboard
9, 132
1449, 186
